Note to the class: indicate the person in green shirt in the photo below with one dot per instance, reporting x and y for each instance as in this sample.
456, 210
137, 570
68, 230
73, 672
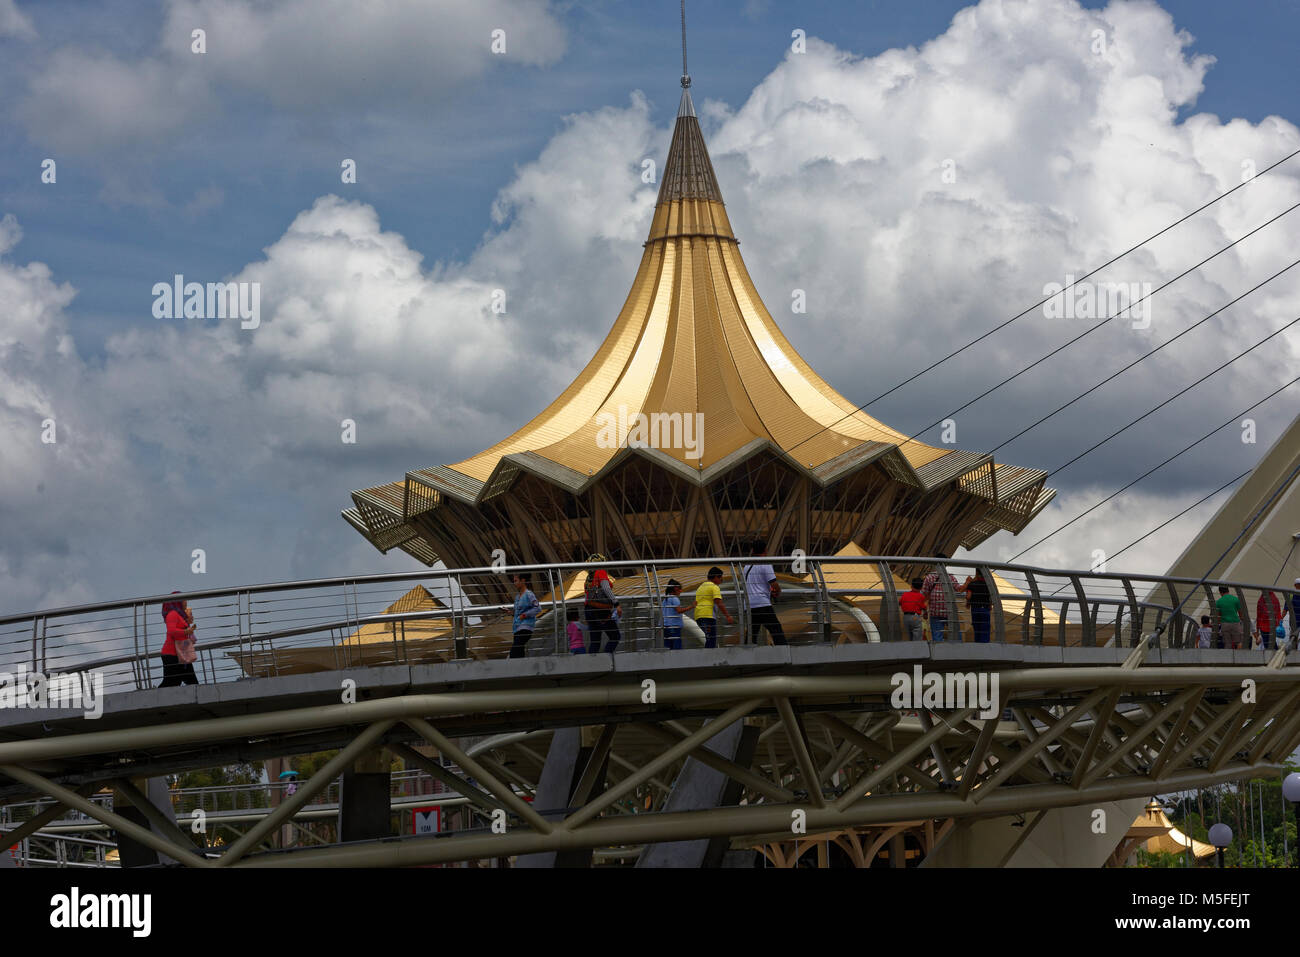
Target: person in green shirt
708, 600
1229, 608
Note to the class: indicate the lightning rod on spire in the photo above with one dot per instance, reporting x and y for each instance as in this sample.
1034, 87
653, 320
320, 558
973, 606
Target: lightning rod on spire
686, 74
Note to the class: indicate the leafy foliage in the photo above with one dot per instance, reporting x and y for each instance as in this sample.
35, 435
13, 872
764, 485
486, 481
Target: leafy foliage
1263, 823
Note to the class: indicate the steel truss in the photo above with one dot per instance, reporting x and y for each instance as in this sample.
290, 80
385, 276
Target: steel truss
832, 752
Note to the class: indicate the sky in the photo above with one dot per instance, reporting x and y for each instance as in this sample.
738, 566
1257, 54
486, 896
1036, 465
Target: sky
923, 171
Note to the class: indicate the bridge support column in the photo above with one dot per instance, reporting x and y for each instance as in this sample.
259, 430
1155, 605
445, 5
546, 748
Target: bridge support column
365, 808
697, 788
566, 761
898, 850
131, 853
1059, 837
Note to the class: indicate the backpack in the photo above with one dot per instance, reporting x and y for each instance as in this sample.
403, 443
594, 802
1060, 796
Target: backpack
592, 594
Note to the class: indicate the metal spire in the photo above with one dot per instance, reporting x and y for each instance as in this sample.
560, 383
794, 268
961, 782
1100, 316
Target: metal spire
686, 107
686, 74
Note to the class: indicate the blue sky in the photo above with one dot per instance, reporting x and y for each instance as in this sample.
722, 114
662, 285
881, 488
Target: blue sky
435, 186
223, 165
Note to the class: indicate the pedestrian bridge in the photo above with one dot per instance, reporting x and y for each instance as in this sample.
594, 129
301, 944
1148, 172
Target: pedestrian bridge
1099, 696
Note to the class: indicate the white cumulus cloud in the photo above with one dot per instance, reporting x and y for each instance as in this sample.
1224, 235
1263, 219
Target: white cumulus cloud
191, 433
300, 55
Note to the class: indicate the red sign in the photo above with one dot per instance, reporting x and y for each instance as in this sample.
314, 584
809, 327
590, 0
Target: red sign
426, 820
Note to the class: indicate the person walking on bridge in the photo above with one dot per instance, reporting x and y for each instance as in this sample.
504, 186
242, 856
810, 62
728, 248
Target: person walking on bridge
762, 588
1205, 633
980, 602
1229, 608
180, 629
936, 601
671, 607
1268, 612
1295, 616
577, 641
708, 602
913, 605
600, 605
527, 608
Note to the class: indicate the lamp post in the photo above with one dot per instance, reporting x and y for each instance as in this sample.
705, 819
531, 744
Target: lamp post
1291, 791
1220, 837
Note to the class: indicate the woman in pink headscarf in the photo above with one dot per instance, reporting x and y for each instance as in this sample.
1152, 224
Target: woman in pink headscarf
180, 627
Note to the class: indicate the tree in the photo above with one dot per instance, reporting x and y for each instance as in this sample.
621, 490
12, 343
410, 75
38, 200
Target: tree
1147, 858
1262, 822
226, 776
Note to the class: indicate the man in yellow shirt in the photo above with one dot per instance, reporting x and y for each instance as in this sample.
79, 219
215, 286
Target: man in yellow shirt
708, 597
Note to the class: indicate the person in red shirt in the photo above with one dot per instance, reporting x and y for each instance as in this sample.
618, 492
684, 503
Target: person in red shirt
913, 605
180, 625
1267, 615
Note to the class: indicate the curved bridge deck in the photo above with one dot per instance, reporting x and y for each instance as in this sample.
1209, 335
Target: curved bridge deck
1043, 726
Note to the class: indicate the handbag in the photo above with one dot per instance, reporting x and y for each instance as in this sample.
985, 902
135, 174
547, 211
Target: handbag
185, 652
593, 597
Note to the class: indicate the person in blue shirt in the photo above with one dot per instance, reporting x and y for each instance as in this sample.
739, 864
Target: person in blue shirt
527, 608
672, 609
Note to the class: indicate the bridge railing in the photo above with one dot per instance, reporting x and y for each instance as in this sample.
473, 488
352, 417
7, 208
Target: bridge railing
255, 795
215, 799
443, 614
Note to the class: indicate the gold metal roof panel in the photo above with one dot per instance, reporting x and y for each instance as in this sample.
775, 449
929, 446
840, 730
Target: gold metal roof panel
953, 465
850, 461
1045, 496
419, 498
449, 481
419, 549
503, 476
417, 599
353, 518
729, 462
380, 507
541, 466
387, 498
982, 481
1013, 480
1015, 513
980, 532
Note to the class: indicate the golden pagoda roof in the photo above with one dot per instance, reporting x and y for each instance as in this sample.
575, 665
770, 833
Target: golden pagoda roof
695, 337
1161, 835
694, 342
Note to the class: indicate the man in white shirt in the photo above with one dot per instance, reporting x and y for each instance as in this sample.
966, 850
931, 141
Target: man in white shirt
761, 586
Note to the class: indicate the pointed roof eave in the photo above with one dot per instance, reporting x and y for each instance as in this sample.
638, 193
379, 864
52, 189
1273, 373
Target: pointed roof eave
379, 521
855, 460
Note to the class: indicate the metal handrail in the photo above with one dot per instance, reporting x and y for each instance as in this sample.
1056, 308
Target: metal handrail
488, 570
401, 616
68, 639
184, 799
